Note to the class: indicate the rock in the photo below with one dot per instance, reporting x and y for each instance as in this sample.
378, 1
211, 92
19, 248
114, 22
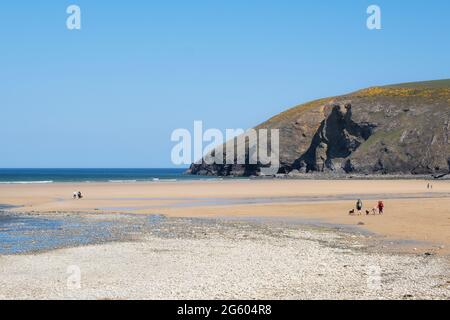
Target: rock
294, 173
375, 131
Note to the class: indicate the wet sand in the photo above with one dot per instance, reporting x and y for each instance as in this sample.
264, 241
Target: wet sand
413, 212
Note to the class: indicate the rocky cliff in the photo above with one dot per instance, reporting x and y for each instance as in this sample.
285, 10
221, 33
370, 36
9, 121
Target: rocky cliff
399, 129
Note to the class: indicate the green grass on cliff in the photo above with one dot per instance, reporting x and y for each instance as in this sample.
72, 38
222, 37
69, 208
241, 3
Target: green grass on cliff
382, 136
436, 84
430, 90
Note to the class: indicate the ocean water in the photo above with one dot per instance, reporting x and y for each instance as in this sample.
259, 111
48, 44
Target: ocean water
35, 176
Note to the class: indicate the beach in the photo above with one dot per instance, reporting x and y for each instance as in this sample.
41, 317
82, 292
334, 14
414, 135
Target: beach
412, 211
231, 239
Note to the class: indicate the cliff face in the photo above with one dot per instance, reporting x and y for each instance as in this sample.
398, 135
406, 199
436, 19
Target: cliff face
401, 129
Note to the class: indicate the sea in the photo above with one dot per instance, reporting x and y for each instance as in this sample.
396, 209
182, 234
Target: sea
44, 176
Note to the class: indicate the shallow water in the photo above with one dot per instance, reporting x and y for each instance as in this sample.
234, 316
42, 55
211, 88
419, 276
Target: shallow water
6, 207
26, 234
29, 234
22, 234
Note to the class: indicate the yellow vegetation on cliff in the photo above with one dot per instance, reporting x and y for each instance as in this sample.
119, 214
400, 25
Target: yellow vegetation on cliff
442, 93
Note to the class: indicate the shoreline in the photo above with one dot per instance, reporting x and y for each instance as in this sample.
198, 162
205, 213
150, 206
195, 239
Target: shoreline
212, 178
413, 212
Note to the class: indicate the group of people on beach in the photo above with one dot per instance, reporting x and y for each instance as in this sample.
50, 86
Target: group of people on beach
77, 195
378, 208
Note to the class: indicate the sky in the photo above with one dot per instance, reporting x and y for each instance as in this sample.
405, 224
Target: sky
110, 95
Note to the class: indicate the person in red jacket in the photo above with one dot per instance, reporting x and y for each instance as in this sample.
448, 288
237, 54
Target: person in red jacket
380, 207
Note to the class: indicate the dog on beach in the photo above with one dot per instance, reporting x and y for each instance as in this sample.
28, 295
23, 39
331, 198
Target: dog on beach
351, 212
367, 212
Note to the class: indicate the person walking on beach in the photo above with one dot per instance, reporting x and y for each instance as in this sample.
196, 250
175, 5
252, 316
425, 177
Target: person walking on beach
359, 206
380, 207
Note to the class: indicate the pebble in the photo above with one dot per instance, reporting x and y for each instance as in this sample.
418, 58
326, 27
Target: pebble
274, 262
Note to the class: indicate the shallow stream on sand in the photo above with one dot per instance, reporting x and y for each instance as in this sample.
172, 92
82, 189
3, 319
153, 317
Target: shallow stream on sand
20, 234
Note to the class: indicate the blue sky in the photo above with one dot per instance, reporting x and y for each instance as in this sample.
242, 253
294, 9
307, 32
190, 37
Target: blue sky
111, 94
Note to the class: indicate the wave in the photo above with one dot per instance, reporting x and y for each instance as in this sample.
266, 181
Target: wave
143, 180
210, 179
26, 182
154, 179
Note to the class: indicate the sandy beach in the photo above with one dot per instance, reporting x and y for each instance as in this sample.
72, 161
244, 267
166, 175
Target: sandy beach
413, 212
246, 239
